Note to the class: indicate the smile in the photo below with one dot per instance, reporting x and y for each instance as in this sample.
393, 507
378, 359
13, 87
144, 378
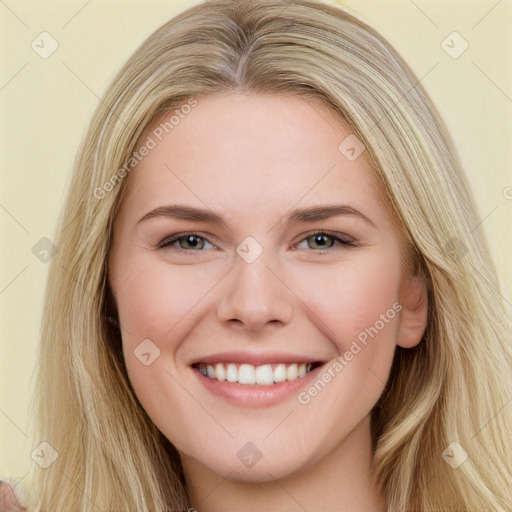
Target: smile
248, 374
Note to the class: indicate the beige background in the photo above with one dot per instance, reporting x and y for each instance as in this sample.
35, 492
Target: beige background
46, 104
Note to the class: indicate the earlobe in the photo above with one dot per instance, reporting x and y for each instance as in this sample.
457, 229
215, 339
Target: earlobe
414, 314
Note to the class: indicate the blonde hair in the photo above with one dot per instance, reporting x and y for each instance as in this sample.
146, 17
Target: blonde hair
453, 387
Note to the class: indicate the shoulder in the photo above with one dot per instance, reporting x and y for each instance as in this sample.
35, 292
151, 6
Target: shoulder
9, 500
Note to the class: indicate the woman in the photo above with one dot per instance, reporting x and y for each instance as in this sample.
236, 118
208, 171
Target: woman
201, 346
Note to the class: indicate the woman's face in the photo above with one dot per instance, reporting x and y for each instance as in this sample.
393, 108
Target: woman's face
216, 269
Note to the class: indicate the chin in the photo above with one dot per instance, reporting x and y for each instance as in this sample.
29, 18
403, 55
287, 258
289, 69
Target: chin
253, 465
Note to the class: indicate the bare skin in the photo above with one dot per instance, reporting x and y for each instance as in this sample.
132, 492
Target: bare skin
253, 159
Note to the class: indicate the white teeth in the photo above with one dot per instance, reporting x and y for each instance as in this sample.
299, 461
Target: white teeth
248, 374
232, 373
220, 372
280, 373
264, 375
292, 372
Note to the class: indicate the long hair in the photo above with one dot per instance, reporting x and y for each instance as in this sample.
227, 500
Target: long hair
452, 388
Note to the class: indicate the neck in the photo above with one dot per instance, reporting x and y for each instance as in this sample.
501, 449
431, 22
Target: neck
343, 480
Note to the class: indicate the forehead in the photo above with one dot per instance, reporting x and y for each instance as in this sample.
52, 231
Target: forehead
244, 152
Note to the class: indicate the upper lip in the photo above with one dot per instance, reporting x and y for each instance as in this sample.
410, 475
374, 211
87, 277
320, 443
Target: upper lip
255, 358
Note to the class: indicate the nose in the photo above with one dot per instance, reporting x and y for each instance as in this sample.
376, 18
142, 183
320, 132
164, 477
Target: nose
255, 296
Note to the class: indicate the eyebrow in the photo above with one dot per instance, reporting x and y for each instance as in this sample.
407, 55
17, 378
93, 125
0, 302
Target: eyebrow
309, 214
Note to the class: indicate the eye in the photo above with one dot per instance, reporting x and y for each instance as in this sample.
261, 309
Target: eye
322, 241
187, 242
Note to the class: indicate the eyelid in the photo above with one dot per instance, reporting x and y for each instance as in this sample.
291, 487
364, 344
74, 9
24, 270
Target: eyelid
335, 234
168, 240
343, 239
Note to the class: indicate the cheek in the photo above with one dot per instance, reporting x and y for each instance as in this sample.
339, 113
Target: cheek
351, 297
157, 297
158, 307
356, 307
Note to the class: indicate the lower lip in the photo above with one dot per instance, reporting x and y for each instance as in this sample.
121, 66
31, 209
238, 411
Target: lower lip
246, 395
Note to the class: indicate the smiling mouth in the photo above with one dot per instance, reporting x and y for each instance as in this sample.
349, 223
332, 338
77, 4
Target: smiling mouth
248, 374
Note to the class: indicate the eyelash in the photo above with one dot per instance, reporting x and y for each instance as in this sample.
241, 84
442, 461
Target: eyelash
166, 242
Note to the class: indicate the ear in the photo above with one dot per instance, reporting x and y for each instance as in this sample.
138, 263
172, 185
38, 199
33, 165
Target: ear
414, 314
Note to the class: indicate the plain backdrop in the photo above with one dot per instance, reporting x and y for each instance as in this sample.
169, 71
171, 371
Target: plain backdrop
46, 104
